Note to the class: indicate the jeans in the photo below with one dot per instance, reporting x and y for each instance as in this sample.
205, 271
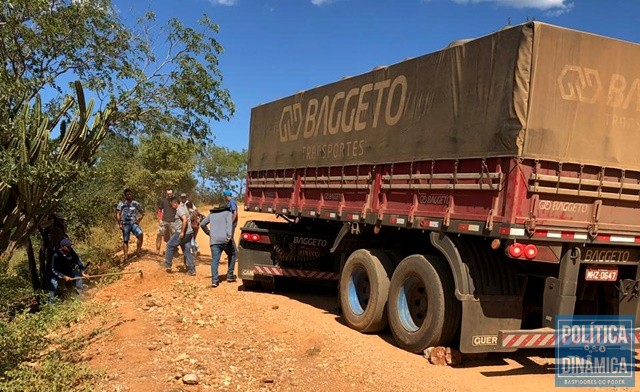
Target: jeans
194, 243
232, 254
55, 283
185, 245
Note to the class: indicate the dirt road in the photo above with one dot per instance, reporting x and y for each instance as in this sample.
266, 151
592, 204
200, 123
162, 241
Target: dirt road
161, 330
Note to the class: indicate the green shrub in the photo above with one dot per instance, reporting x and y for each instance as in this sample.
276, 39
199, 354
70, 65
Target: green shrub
24, 337
35, 356
52, 375
35, 352
16, 296
100, 249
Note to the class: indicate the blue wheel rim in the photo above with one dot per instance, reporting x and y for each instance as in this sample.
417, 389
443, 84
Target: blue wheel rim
358, 289
412, 304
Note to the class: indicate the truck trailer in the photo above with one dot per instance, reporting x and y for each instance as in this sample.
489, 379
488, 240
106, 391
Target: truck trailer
468, 196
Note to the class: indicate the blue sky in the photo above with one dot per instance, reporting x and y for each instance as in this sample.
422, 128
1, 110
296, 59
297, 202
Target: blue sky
274, 48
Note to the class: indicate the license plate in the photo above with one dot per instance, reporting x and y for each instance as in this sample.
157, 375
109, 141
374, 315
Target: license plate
601, 274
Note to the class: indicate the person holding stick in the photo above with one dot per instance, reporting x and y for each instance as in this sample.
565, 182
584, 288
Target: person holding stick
66, 266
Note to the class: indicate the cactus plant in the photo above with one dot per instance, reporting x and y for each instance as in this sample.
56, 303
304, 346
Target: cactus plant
36, 169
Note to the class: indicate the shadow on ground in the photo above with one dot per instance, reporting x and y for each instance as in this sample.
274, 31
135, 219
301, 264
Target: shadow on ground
324, 296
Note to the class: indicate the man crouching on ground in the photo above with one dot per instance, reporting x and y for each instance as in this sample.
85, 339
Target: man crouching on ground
182, 234
66, 266
220, 241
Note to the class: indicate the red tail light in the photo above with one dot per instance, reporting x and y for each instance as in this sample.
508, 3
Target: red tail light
252, 237
530, 251
516, 250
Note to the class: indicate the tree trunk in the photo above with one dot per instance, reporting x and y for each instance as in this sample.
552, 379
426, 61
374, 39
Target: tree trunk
51, 233
33, 269
43, 255
7, 252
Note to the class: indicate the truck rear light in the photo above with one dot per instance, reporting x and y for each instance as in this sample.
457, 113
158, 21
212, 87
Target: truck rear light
255, 237
516, 250
530, 251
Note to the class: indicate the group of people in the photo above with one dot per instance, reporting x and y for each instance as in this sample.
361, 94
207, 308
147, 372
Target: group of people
179, 222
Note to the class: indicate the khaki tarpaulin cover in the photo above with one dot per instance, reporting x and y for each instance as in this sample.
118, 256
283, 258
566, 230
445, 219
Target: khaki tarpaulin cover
533, 90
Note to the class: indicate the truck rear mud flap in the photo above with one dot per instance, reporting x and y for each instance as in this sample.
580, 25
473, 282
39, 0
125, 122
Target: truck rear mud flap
537, 338
270, 270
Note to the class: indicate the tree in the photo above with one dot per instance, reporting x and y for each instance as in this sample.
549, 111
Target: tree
92, 201
45, 42
168, 161
221, 168
140, 93
35, 167
146, 167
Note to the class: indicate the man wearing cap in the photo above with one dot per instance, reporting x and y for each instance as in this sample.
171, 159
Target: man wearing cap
232, 206
65, 265
217, 225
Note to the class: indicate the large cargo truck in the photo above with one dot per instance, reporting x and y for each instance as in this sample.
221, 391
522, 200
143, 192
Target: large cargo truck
470, 195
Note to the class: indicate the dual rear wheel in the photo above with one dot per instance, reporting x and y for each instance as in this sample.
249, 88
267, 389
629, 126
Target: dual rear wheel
417, 299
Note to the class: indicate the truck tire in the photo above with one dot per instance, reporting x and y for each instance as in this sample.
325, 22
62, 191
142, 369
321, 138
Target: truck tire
364, 288
423, 309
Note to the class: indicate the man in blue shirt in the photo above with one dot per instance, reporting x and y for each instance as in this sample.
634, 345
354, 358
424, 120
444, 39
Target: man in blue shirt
129, 214
232, 206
